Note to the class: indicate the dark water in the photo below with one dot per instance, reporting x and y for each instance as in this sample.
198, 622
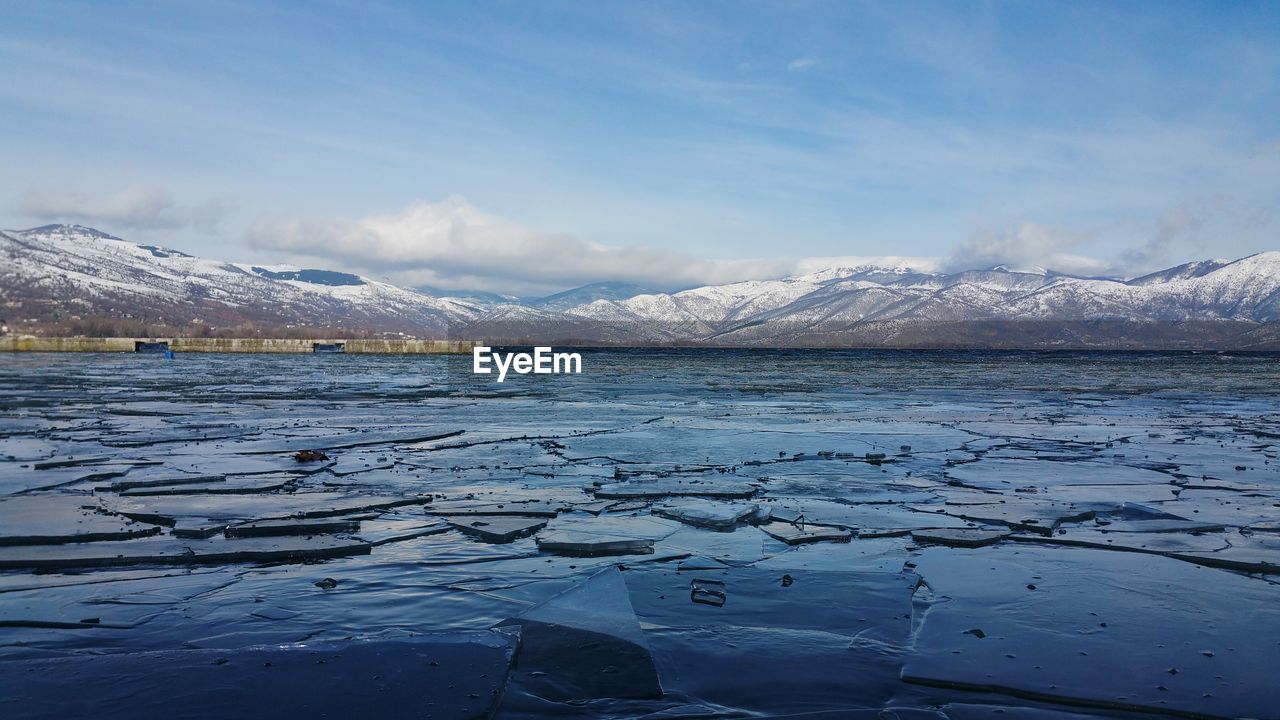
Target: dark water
648, 371
1127, 508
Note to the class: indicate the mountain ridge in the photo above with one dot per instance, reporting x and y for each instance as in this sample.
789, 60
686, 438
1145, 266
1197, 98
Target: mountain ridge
55, 273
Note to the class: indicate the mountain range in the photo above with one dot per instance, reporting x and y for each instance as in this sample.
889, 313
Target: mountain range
54, 276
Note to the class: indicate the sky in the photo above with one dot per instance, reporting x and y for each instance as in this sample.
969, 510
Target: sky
528, 147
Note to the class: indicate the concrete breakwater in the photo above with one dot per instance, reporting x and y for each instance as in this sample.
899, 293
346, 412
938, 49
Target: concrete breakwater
30, 343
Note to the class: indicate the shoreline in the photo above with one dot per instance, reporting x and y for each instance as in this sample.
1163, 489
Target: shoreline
31, 343
293, 346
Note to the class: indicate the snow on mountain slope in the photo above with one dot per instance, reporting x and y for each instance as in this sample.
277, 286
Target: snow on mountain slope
715, 305
61, 270
588, 294
1245, 290
1249, 288
69, 269
1180, 272
999, 280
661, 311
847, 300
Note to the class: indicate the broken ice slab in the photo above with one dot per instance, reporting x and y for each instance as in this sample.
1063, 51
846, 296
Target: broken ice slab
852, 604
597, 507
1159, 526
530, 508
1108, 494
1113, 630
743, 546
1235, 509
876, 533
354, 463
442, 550
700, 563
578, 543
173, 551
707, 592
169, 510
798, 534
497, 528
1250, 554
60, 518
578, 536
198, 528
626, 506
1081, 432
1005, 475
231, 464
103, 599
1038, 517
343, 441
1153, 543
67, 461
398, 529
960, 537
708, 514
637, 489
150, 438
17, 479
585, 643
24, 448
453, 676
161, 481
886, 519
649, 527
783, 513
239, 485
1206, 460
883, 484
1131, 511
270, 528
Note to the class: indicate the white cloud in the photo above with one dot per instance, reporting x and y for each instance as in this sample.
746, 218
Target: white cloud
1027, 245
455, 246
1181, 225
919, 264
132, 208
452, 244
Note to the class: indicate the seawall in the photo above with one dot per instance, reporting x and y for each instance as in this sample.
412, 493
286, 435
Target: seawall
29, 343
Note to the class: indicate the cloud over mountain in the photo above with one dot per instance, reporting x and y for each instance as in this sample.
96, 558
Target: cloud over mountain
452, 242
137, 208
1026, 245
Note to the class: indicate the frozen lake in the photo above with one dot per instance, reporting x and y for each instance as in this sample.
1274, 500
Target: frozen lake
670, 534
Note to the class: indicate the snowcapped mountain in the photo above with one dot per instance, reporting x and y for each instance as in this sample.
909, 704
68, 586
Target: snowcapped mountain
589, 293
61, 271
1246, 290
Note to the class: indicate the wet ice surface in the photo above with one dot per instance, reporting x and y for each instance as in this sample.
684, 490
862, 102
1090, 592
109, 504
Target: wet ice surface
671, 534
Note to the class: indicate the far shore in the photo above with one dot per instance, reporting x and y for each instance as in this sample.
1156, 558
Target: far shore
30, 343
413, 346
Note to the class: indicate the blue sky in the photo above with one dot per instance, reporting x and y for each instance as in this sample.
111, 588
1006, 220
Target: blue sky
529, 146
